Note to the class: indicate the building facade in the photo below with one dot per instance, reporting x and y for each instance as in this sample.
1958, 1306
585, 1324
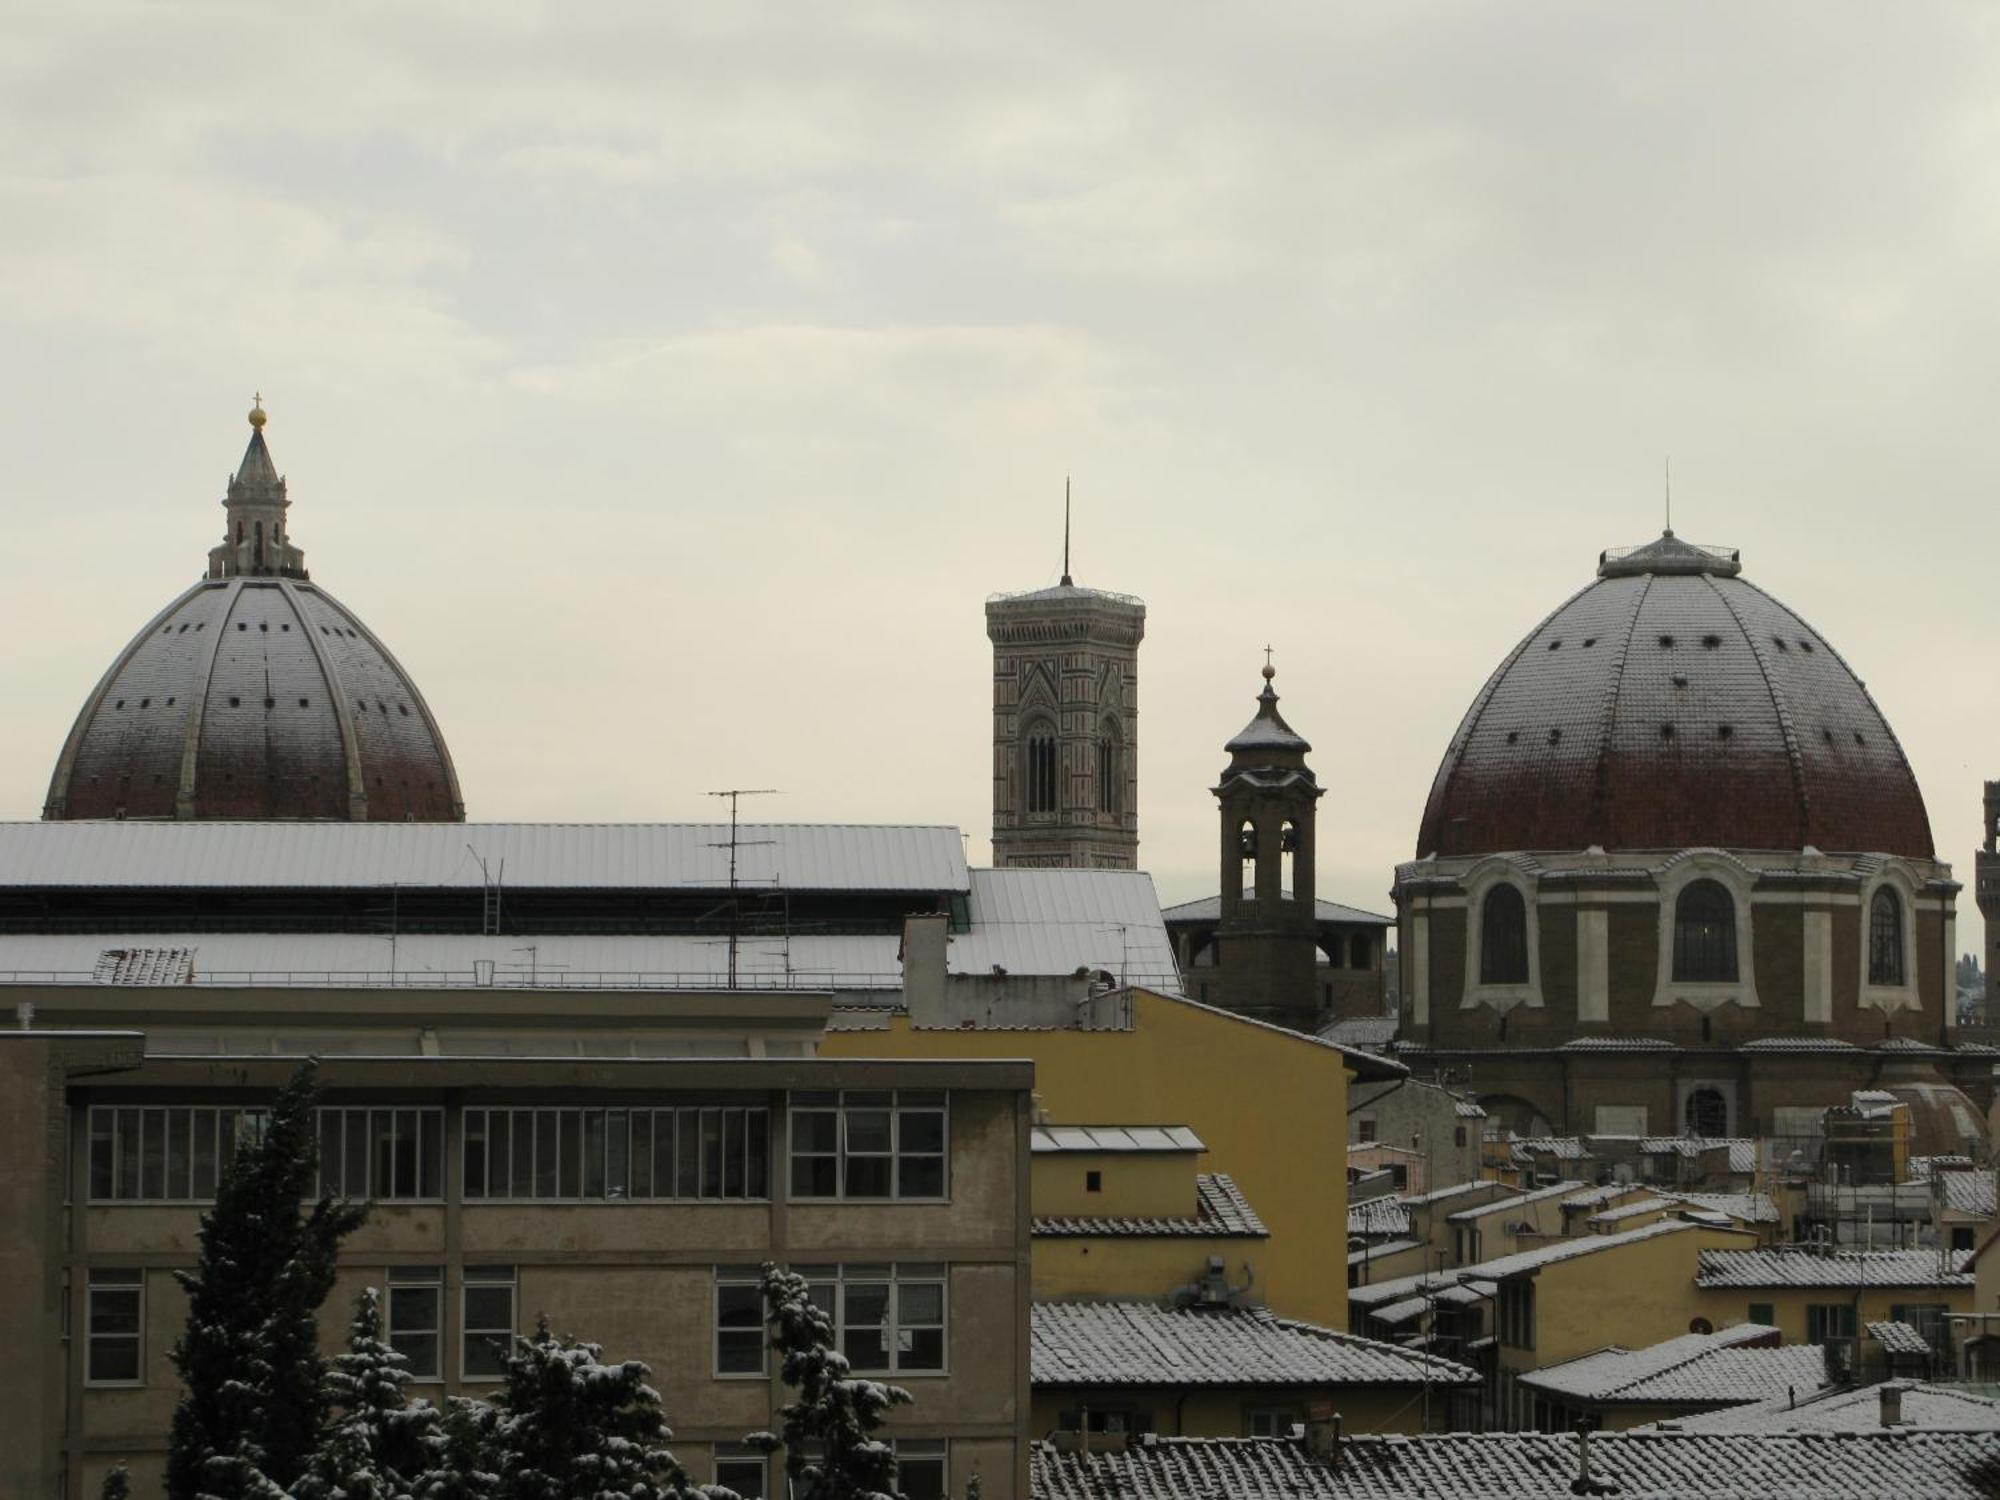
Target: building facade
1066, 727
629, 1201
1675, 875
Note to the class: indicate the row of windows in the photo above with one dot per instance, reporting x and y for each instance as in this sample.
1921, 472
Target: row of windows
1704, 941
887, 1319
920, 1470
707, 1152
859, 1144
1040, 771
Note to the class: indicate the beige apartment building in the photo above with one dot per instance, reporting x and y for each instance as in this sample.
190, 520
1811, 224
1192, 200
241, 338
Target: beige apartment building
630, 1199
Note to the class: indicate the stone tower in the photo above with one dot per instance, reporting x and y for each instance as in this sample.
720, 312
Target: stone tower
1986, 882
1265, 942
254, 539
1066, 727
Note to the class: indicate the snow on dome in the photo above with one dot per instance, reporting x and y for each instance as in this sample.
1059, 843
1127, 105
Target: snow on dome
1673, 704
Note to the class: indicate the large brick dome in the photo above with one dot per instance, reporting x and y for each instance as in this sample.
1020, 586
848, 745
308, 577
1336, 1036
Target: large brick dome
1672, 704
256, 694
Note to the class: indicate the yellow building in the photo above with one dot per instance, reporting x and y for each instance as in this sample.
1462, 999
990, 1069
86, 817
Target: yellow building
1813, 1297
1269, 1105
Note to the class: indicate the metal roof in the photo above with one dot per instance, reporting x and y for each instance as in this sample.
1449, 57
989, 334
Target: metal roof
1059, 921
1532, 1466
1114, 1138
1209, 909
559, 856
1145, 1343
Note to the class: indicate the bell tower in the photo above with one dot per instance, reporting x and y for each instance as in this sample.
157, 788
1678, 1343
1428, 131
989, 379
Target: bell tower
1265, 939
255, 542
1066, 725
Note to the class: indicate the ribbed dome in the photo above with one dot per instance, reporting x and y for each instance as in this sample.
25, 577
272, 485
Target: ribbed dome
256, 694
1671, 705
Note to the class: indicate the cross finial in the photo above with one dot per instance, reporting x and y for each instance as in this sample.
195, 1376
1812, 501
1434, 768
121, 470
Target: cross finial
257, 416
1269, 670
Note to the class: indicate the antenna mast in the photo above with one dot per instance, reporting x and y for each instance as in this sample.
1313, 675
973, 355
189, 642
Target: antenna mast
1065, 576
1670, 495
732, 846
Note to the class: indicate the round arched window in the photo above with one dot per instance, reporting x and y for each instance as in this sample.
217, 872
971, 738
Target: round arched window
1705, 934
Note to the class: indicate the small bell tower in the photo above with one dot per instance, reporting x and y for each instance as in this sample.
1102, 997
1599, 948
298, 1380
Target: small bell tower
1265, 962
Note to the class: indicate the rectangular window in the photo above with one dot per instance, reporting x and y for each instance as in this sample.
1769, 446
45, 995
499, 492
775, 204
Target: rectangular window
888, 1320
1517, 1314
615, 1155
173, 1153
486, 1323
381, 1154
115, 1321
920, 1469
416, 1300
1270, 1421
869, 1143
1763, 1314
1829, 1320
739, 1321
742, 1472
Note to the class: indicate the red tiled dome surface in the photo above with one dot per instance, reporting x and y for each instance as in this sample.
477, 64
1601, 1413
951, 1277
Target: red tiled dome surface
1670, 705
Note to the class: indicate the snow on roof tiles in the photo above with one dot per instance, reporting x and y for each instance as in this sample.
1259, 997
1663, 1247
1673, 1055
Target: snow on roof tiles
1898, 1338
1751, 1208
1519, 1200
1533, 1466
1967, 1192
1145, 1343
1858, 1411
1789, 1265
1694, 1368
1525, 1261
1221, 1211
1378, 1216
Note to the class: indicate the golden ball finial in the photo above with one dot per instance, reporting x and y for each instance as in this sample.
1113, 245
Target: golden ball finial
258, 416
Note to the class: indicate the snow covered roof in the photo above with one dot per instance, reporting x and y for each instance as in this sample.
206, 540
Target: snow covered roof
1122, 1138
1528, 1261
1750, 1208
1898, 1338
543, 856
1377, 1216
1967, 1192
1791, 1265
1381, 1250
1648, 1465
1518, 1201
1209, 909
1145, 1343
1221, 1211
1632, 1210
1695, 1368
1857, 1411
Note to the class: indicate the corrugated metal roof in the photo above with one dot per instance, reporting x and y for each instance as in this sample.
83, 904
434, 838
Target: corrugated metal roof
1209, 909
566, 856
1059, 921
1114, 1138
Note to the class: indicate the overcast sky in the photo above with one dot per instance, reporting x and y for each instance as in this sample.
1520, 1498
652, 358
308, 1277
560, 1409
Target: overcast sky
669, 385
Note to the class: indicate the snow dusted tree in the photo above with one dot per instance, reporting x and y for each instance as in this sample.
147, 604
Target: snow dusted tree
570, 1427
117, 1484
253, 1402
831, 1451
460, 1463
377, 1444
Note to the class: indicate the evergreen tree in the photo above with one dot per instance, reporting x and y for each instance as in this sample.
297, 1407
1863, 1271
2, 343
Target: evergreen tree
253, 1401
460, 1463
117, 1484
570, 1427
377, 1443
831, 1451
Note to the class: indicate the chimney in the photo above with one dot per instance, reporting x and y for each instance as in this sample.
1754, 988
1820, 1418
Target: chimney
924, 939
1585, 1482
1892, 1403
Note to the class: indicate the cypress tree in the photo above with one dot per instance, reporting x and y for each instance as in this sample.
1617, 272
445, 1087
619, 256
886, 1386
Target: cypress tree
253, 1400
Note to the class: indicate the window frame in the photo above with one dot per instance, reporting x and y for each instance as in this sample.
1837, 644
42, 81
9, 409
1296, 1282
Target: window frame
1503, 955
743, 1456
1706, 995
903, 1103
109, 1126
572, 1129
1705, 943
114, 1281
478, 1278
359, 1125
1041, 757
1890, 995
922, 1451
408, 1279
738, 1278
1500, 996
829, 1285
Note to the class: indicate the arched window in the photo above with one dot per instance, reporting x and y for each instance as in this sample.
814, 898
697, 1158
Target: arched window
1707, 1113
1885, 938
1359, 951
1246, 848
1503, 937
1288, 849
1705, 934
1110, 770
1041, 768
